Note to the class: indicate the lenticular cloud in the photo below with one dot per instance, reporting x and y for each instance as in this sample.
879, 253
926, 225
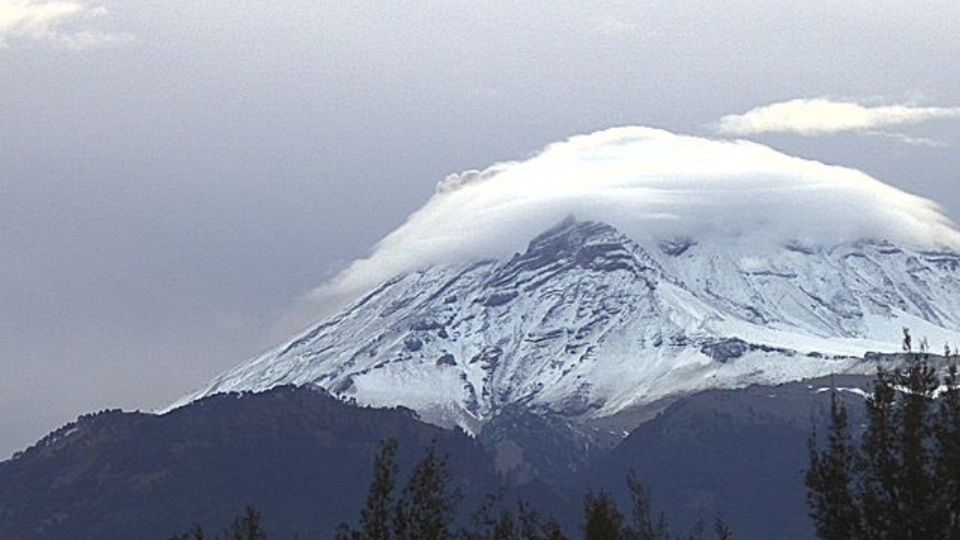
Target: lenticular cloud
651, 184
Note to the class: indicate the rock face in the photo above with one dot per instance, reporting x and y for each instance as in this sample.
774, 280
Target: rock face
594, 329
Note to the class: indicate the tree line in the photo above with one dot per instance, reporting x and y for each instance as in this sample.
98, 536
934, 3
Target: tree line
895, 477
427, 508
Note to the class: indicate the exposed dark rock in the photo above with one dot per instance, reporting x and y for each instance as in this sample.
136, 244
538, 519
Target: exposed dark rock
424, 325
446, 360
725, 350
412, 344
500, 298
676, 247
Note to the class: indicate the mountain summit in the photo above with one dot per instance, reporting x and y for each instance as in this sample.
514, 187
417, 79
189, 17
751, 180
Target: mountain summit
600, 329
652, 185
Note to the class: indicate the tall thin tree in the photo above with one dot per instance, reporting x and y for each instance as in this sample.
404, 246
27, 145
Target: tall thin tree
831, 479
377, 514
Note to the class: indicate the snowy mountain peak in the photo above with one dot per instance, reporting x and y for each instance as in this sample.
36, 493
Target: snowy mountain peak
569, 246
590, 325
571, 235
651, 185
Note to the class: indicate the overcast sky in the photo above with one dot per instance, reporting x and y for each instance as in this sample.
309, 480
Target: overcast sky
175, 175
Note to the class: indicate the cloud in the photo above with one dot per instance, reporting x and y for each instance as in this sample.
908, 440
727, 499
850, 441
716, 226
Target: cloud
812, 117
909, 139
609, 25
651, 184
53, 22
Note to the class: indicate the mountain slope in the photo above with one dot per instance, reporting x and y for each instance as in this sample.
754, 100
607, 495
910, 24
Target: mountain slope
591, 326
304, 458
299, 455
740, 454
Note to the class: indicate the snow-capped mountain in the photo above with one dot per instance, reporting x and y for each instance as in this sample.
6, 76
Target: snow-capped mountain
591, 325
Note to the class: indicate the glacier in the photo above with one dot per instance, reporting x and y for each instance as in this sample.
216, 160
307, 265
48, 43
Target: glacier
601, 329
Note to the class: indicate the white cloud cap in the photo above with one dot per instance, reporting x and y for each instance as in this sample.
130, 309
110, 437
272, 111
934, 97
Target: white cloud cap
811, 117
650, 184
46, 21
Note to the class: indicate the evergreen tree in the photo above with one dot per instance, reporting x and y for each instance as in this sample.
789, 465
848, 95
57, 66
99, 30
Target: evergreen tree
948, 459
376, 516
830, 480
921, 511
533, 527
247, 527
902, 482
899, 488
489, 523
526, 524
505, 527
879, 492
723, 531
426, 512
602, 519
195, 534
644, 526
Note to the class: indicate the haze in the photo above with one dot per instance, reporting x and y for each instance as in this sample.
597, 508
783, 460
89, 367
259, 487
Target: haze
176, 176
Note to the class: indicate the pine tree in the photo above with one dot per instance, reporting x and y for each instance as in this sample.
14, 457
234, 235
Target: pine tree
900, 490
533, 527
948, 459
247, 527
376, 516
921, 513
902, 482
603, 520
830, 479
505, 528
196, 533
880, 493
723, 531
426, 512
489, 523
643, 526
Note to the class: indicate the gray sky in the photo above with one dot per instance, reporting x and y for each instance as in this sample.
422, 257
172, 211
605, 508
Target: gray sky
175, 175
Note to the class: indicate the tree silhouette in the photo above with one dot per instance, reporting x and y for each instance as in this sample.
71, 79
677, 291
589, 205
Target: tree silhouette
427, 509
245, 527
947, 433
831, 479
602, 519
644, 526
376, 516
902, 481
